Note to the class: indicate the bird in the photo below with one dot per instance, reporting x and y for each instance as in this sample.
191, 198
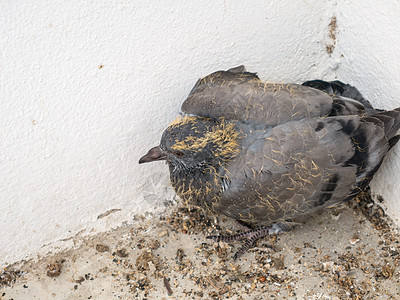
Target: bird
269, 155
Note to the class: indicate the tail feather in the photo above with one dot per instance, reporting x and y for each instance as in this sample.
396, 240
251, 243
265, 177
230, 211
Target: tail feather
338, 88
371, 144
390, 120
393, 141
342, 93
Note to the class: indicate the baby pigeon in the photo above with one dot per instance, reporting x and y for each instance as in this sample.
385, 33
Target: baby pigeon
268, 155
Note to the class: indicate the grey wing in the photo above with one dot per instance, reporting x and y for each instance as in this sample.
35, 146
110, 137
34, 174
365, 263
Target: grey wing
239, 95
301, 166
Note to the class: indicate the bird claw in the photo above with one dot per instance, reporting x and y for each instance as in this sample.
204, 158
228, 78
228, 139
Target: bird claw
246, 246
251, 237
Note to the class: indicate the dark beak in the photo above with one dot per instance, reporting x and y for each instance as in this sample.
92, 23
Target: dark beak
154, 154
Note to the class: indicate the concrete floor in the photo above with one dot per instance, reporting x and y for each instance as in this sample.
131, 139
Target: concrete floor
347, 252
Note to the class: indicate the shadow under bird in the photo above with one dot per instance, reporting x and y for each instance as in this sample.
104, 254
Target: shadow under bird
269, 155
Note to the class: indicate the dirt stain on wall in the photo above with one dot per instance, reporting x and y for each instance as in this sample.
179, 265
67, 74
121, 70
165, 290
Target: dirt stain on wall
332, 35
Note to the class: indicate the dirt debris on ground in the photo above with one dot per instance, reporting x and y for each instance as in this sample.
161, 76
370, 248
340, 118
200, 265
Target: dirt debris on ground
54, 268
348, 252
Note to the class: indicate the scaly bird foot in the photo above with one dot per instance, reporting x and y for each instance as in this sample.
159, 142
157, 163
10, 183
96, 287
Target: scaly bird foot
250, 235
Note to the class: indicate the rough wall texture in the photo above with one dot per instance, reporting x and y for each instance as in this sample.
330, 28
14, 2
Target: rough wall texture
87, 87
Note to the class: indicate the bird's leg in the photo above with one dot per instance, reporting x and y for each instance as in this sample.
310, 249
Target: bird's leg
250, 235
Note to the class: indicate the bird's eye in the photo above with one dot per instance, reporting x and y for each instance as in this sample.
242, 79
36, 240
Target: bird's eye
178, 153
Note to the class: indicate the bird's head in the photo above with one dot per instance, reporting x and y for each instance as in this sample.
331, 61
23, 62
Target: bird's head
191, 143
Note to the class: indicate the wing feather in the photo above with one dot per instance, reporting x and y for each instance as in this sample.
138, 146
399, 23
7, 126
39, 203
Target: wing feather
298, 167
239, 95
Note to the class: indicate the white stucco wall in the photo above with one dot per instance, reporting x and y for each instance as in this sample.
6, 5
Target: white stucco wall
87, 87
72, 132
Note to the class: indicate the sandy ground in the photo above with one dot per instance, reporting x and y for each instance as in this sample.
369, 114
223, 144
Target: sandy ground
347, 252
